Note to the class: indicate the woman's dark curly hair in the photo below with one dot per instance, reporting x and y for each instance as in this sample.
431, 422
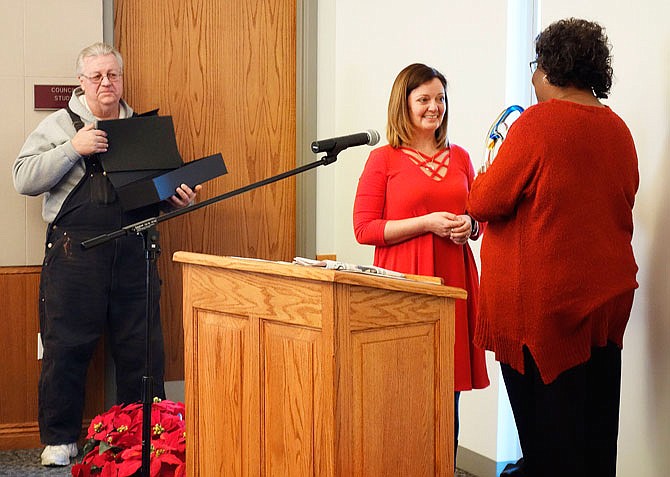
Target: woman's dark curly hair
575, 52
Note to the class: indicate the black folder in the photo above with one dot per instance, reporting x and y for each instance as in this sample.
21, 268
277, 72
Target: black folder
143, 162
158, 188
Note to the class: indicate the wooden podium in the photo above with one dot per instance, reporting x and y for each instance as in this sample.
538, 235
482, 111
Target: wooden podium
298, 371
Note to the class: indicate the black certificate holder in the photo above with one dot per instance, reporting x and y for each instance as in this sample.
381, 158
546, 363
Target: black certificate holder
143, 162
158, 188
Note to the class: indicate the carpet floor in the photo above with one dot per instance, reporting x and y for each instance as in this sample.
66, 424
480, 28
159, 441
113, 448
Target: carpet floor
26, 463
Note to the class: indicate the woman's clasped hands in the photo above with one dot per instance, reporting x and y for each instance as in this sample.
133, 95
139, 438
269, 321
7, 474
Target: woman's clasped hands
445, 224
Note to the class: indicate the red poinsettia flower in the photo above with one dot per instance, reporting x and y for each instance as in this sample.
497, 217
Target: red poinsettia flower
131, 461
116, 440
81, 470
109, 470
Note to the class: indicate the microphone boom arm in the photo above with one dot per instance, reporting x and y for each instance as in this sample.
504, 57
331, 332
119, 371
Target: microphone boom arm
138, 227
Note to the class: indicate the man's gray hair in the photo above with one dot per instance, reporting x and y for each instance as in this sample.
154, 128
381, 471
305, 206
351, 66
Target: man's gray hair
97, 49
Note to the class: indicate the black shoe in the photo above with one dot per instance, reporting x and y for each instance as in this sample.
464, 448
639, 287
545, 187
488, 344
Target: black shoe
514, 470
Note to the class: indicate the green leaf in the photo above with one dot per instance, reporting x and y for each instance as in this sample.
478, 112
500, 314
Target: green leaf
89, 445
104, 447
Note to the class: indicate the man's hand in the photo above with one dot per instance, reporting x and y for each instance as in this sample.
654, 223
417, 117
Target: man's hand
184, 196
89, 140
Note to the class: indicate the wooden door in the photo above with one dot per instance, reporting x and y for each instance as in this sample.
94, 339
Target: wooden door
226, 72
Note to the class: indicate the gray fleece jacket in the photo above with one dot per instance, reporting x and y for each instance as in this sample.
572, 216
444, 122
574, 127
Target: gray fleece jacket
47, 163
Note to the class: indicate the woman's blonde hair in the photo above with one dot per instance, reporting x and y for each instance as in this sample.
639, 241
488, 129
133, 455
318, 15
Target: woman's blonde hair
399, 124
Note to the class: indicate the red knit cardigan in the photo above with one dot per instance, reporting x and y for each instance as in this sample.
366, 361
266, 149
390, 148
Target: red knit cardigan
558, 200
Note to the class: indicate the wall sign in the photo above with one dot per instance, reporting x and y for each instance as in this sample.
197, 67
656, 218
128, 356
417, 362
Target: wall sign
52, 96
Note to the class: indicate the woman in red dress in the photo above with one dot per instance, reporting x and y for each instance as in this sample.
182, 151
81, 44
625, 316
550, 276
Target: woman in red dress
410, 204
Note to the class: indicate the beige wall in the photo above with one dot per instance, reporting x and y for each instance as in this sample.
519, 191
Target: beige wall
40, 40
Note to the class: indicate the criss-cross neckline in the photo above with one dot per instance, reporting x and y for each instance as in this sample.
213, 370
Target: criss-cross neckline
435, 166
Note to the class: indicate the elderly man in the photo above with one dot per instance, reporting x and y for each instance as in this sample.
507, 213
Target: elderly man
83, 292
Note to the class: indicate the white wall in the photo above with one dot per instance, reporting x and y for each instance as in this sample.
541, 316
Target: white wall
363, 45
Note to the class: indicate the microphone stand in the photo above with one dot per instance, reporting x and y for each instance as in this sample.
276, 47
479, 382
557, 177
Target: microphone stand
147, 229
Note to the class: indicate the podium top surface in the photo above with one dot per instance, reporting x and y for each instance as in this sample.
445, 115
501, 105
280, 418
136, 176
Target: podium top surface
289, 270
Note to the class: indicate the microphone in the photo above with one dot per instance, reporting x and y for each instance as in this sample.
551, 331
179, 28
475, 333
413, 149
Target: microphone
334, 145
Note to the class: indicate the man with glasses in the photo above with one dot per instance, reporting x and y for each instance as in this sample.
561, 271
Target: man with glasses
86, 292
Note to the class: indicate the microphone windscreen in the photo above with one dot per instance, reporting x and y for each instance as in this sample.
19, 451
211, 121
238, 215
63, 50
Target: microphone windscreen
374, 137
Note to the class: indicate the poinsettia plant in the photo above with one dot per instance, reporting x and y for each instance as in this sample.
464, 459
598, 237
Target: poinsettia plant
114, 445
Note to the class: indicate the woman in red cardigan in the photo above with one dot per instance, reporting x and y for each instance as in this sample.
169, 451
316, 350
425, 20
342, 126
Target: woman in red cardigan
410, 204
558, 271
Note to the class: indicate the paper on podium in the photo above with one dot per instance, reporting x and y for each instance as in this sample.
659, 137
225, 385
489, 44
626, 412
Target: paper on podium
349, 267
143, 162
367, 269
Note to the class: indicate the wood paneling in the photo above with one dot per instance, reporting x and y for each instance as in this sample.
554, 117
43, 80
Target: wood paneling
19, 373
227, 338
394, 382
225, 71
291, 369
18, 344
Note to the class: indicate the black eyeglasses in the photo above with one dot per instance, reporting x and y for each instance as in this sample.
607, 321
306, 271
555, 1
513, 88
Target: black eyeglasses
112, 76
533, 66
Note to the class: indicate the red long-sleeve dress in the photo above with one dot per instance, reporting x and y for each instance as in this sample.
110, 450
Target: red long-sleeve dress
392, 187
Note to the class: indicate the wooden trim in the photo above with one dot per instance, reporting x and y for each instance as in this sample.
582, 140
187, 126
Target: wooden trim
20, 270
19, 436
26, 435
478, 464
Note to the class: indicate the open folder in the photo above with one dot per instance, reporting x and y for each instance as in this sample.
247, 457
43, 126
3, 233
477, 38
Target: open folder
143, 162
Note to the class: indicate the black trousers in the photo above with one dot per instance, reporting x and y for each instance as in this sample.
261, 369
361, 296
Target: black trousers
568, 427
84, 293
